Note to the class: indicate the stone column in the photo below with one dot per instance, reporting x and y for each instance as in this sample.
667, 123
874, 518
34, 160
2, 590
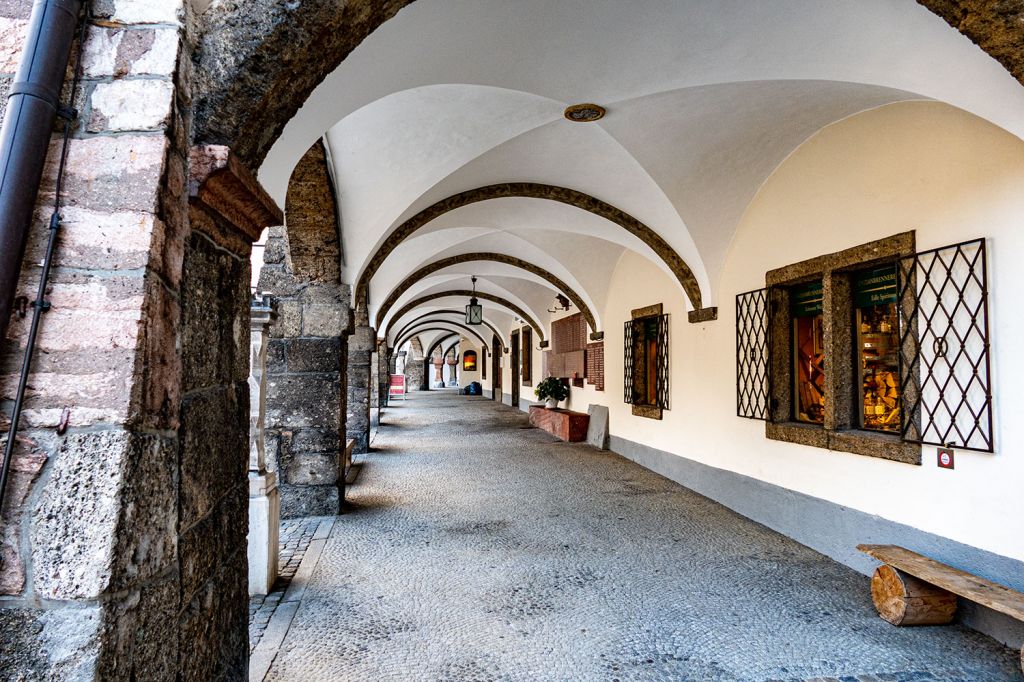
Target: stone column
264, 497
374, 389
414, 366
357, 419
305, 387
385, 364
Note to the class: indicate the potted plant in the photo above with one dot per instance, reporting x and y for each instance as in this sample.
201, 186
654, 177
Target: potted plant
552, 391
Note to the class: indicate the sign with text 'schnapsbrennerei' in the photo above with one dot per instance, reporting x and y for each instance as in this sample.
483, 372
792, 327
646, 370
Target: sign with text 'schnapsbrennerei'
805, 300
876, 286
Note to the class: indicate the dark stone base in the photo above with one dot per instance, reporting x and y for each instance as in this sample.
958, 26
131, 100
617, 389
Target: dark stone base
309, 500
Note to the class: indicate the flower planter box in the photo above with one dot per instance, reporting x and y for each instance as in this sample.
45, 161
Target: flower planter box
564, 424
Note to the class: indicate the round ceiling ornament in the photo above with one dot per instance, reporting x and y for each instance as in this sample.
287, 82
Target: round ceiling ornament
584, 113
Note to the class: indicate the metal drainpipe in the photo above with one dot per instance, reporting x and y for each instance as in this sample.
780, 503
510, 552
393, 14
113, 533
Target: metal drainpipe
24, 141
25, 136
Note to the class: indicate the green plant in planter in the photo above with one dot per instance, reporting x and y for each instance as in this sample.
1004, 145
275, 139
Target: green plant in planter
552, 391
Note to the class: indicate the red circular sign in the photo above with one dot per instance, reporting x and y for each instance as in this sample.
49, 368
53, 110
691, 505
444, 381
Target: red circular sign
945, 459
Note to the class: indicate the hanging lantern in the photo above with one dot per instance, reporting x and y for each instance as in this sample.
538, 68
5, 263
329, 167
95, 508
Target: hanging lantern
474, 311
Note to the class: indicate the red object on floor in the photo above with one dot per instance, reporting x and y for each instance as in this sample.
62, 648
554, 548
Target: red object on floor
564, 424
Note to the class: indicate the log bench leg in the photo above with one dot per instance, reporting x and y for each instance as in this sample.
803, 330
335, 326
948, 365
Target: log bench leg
902, 599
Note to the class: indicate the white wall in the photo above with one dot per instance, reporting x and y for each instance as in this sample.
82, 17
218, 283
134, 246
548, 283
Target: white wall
915, 166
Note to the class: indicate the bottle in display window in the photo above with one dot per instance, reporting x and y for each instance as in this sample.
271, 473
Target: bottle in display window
877, 346
808, 353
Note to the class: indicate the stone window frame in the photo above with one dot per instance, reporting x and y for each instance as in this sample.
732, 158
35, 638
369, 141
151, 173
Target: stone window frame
656, 310
841, 429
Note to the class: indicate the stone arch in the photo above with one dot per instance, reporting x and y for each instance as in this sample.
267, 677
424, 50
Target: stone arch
452, 311
311, 219
416, 331
431, 268
533, 190
466, 293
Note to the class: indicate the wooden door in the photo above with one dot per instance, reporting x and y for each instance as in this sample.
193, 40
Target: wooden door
496, 368
516, 370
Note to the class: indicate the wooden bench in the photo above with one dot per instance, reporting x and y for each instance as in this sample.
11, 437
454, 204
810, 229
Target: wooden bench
911, 589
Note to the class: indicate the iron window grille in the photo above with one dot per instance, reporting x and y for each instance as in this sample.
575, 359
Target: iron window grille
945, 376
636, 333
944, 352
753, 390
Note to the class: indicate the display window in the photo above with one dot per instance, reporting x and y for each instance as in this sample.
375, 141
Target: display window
876, 328
809, 355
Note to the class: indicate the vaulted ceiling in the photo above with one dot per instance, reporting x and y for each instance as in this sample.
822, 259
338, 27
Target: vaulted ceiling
704, 98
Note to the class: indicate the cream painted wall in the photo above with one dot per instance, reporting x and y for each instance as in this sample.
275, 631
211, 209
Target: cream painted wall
922, 166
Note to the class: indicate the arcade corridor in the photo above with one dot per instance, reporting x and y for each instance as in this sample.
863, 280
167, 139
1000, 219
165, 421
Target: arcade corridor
476, 548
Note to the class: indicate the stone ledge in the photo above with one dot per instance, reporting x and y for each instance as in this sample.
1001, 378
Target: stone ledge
223, 185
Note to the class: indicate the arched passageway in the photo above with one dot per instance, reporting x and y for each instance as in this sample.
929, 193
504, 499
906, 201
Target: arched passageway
512, 555
739, 144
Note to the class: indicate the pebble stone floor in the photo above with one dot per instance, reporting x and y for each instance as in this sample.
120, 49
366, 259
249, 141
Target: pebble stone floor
294, 539
478, 549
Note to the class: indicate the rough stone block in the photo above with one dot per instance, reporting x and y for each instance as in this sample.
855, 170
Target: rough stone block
276, 279
275, 252
121, 173
308, 500
120, 52
206, 545
213, 640
303, 400
289, 320
315, 440
322, 319
12, 41
141, 633
314, 355
312, 469
128, 105
56, 644
28, 460
597, 430
215, 313
214, 448
139, 11
276, 354
75, 522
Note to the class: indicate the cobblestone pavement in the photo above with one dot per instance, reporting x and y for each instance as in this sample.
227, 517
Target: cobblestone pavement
477, 549
294, 540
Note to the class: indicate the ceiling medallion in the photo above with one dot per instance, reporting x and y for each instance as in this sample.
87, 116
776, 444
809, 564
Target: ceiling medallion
584, 113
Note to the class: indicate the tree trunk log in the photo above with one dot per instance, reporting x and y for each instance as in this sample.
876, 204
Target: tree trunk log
902, 599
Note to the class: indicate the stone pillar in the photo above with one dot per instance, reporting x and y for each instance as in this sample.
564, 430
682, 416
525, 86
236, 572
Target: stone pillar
357, 420
375, 362
414, 365
264, 497
385, 365
305, 390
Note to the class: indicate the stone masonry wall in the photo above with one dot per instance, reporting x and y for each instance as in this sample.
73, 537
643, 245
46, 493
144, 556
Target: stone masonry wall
305, 385
92, 571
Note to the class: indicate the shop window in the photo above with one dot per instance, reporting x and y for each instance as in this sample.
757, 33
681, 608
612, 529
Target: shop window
469, 361
874, 350
527, 356
646, 381
808, 342
877, 348
483, 362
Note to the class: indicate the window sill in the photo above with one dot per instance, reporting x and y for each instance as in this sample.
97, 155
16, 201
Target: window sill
883, 446
647, 411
